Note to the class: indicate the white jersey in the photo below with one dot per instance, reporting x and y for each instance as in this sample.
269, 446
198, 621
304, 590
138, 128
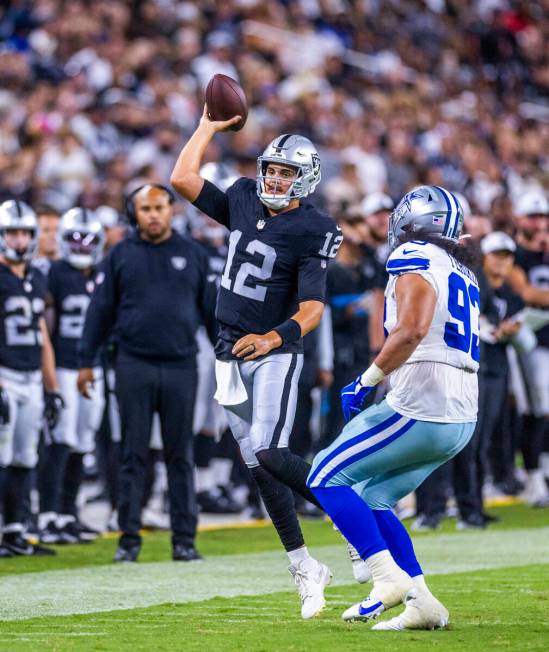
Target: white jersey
438, 382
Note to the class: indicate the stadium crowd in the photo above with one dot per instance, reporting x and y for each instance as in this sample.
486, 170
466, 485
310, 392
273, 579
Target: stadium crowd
97, 98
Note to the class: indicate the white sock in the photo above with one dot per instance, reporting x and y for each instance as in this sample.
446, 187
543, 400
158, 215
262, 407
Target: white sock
221, 469
419, 583
44, 518
299, 555
383, 567
64, 519
204, 480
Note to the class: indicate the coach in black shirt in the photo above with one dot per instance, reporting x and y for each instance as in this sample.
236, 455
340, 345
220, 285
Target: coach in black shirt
152, 294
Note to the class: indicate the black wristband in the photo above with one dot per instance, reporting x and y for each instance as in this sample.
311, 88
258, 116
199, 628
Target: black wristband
289, 331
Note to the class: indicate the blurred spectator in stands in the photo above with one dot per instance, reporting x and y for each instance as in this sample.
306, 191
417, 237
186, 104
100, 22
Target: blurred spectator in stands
63, 170
114, 227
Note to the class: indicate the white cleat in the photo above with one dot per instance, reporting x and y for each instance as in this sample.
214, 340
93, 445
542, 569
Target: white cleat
384, 596
361, 572
422, 611
311, 577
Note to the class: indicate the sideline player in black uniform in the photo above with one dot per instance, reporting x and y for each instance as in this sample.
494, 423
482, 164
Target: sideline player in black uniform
272, 293
530, 279
71, 282
27, 368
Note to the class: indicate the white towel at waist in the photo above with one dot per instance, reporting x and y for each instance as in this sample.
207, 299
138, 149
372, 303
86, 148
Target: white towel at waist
230, 388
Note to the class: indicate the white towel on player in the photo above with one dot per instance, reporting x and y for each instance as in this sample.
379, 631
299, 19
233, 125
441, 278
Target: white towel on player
230, 388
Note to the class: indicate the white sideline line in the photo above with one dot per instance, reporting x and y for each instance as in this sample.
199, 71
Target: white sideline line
128, 586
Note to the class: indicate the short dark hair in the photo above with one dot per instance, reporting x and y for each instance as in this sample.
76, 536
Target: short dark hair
46, 209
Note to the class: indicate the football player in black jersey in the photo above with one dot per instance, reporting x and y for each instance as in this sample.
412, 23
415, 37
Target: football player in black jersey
272, 293
71, 282
530, 279
214, 446
26, 367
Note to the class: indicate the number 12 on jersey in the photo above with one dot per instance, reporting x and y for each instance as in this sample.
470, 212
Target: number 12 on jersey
464, 308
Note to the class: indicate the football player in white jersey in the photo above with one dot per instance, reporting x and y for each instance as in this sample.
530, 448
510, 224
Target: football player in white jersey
384, 452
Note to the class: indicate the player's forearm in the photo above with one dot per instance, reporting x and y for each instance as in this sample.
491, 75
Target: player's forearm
527, 292
305, 320
376, 335
398, 347
185, 178
416, 301
535, 296
49, 376
309, 316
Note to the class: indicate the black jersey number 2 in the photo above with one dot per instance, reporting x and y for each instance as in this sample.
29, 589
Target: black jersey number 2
20, 320
261, 273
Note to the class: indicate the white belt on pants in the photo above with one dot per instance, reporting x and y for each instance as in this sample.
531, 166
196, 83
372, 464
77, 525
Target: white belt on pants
22, 377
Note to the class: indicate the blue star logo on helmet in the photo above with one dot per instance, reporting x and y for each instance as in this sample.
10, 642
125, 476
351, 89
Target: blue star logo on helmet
407, 199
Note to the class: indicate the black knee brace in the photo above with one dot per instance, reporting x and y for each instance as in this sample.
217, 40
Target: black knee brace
290, 469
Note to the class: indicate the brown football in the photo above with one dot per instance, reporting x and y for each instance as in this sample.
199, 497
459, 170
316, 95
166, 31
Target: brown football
225, 99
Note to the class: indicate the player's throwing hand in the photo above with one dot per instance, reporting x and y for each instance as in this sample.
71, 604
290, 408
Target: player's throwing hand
218, 125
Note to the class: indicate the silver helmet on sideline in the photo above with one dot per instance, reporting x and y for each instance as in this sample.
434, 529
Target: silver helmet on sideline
81, 238
426, 210
15, 214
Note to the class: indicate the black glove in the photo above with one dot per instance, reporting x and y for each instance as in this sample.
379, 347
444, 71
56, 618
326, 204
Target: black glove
53, 404
4, 407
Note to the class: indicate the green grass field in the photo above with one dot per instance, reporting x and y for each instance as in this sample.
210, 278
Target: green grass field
495, 584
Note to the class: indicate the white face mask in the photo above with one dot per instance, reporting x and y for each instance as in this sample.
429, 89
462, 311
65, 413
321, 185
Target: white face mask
275, 202
80, 261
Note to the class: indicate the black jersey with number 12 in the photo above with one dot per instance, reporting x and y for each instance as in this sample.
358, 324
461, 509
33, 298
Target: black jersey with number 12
273, 263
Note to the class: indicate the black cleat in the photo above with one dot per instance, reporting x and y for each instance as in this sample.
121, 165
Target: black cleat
18, 545
217, 501
181, 552
86, 532
72, 533
472, 522
127, 554
50, 534
425, 522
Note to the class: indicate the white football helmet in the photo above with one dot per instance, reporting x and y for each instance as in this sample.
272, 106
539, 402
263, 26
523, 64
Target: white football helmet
297, 152
81, 238
221, 175
15, 214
